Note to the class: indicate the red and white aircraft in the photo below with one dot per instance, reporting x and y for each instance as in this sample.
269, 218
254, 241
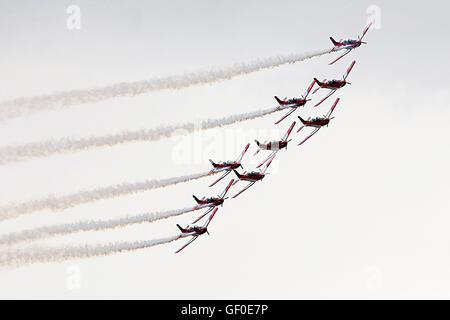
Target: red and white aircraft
349, 44
275, 146
333, 85
227, 166
252, 177
293, 103
211, 202
317, 122
194, 231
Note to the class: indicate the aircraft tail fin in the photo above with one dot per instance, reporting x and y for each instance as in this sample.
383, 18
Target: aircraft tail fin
278, 100
302, 120
179, 227
259, 147
196, 199
212, 162
334, 41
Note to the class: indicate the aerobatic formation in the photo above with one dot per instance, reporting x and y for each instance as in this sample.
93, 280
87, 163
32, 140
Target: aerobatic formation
211, 204
274, 146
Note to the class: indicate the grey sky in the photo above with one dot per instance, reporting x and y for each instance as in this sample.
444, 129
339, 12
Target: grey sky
360, 211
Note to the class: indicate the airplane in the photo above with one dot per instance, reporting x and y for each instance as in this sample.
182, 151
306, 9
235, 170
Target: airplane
348, 45
333, 85
317, 122
274, 145
252, 177
227, 166
194, 231
212, 202
293, 103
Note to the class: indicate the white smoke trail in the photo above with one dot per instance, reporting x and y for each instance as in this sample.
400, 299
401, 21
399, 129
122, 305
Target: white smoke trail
89, 225
67, 201
21, 256
64, 145
26, 105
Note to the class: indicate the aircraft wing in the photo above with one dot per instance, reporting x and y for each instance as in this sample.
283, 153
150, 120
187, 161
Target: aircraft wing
326, 97
227, 188
286, 136
349, 69
243, 152
187, 243
248, 186
268, 163
341, 56
332, 108
204, 214
312, 133
365, 30
286, 115
210, 218
221, 177
273, 152
309, 89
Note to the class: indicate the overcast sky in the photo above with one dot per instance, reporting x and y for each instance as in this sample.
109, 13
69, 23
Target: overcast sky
359, 211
